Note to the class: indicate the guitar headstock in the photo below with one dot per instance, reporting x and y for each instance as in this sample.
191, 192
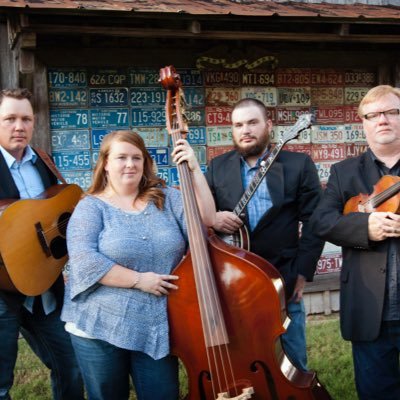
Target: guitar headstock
302, 123
175, 103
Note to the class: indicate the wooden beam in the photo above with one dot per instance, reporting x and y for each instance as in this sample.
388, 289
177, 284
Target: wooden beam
209, 34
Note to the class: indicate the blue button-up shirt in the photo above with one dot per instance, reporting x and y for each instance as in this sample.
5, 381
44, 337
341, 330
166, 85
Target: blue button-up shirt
261, 201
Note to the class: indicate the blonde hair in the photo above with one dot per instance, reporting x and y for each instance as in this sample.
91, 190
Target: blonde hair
376, 93
150, 184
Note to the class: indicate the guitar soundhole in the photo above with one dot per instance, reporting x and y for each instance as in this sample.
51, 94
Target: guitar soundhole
63, 222
58, 247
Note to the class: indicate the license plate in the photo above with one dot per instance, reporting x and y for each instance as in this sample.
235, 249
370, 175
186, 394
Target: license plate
154, 137
108, 77
160, 155
108, 97
147, 96
80, 178
95, 157
328, 152
303, 138
351, 115
222, 78
222, 96
144, 77
358, 77
329, 114
72, 160
327, 95
68, 97
69, 119
216, 151
219, 136
298, 148
296, 96
326, 77
354, 133
353, 95
190, 77
327, 134
197, 135
113, 118
324, 169
289, 115
173, 176
329, 263
64, 78
293, 77
258, 78
201, 154
194, 97
196, 116
218, 116
266, 95
70, 140
163, 173
148, 116
97, 137
355, 149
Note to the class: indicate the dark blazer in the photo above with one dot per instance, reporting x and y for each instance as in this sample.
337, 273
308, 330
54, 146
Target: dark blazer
8, 190
363, 273
295, 190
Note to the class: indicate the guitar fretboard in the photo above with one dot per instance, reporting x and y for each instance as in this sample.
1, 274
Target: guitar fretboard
265, 165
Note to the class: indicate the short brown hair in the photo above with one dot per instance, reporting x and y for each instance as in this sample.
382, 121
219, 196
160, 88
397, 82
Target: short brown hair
19, 94
252, 102
150, 185
376, 93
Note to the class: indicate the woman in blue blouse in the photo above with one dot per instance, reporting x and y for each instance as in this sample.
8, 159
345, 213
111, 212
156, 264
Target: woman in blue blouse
124, 238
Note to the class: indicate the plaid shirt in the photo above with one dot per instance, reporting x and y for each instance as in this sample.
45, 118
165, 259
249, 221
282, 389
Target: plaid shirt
261, 202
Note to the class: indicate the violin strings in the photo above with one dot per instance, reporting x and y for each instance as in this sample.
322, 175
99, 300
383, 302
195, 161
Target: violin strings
387, 193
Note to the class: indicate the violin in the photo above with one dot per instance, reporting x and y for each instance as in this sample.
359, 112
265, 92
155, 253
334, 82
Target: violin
226, 318
385, 197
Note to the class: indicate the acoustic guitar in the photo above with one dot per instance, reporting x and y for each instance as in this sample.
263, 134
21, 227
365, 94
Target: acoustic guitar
33, 239
241, 237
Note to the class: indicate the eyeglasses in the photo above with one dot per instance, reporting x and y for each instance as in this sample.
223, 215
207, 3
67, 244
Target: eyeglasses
389, 114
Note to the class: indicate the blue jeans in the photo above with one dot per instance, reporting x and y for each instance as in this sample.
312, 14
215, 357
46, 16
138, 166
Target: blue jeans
106, 370
51, 343
294, 339
376, 365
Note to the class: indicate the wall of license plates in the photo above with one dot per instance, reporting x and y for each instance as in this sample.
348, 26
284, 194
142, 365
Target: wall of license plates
85, 104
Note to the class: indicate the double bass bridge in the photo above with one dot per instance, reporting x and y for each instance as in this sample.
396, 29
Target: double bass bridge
246, 394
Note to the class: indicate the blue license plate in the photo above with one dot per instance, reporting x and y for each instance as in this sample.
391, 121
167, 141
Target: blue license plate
97, 137
144, 77
69, 119
80, 178
108, 97
197, 135
160, 155
109, 117
148, 116
147, 96
195, 97
70, 140
64, 78
190, 77
68, 97
72, 160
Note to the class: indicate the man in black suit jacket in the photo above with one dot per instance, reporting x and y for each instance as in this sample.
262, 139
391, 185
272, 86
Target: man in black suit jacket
370, 275
286, 197
22, 175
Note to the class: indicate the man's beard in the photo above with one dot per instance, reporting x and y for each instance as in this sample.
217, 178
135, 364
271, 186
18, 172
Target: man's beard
256, 149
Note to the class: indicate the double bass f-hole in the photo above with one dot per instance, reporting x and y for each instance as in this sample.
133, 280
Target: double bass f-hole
229, 312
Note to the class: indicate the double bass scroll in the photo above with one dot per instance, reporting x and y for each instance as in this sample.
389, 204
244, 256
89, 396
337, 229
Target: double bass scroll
229, 312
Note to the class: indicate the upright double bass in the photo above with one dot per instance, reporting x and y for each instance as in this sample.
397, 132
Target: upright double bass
229, 312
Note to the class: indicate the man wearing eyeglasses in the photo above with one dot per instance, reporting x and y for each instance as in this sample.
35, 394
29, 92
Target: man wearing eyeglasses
370, 275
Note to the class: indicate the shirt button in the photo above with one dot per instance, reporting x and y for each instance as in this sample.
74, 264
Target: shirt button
144, 238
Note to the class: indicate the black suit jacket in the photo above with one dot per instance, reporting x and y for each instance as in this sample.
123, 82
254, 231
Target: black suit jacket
295, 190
8, 190
363, 273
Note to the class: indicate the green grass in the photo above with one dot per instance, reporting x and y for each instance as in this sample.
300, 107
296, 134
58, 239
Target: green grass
328, 354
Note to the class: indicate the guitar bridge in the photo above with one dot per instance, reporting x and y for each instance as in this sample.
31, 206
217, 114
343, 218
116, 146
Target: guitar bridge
42, 239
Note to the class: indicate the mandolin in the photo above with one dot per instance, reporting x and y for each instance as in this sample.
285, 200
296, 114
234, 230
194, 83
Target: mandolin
32, 243
241, 237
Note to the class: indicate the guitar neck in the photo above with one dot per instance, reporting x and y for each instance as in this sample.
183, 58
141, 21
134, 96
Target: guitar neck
265, 165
